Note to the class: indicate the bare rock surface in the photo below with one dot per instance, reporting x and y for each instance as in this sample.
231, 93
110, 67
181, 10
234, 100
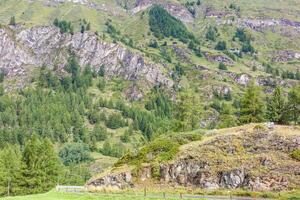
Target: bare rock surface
45, 45
252, 157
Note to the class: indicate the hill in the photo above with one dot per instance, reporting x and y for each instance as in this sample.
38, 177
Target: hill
254, 157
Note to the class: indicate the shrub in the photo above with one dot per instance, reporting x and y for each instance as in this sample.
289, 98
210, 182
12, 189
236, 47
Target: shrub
113, 149
221, 46
296, 154
222, 66
115, 121
74, 153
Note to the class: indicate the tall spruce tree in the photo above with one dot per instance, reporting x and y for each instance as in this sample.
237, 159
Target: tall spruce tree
10, 171
276, 107
294, 105
252, 105
42, 166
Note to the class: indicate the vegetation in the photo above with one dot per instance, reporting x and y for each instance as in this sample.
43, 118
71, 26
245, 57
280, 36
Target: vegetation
162, 24
296, 154
74, 153
35, 169
64, 26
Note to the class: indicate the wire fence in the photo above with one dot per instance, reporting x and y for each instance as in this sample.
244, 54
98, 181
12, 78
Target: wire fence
146, 195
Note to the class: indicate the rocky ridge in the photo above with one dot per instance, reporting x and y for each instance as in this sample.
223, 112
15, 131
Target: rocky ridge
253, 157
47, 46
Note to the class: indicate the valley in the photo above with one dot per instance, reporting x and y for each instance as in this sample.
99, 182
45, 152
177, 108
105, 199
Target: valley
169, 94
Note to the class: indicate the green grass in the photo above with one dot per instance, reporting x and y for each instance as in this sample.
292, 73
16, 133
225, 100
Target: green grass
68, 196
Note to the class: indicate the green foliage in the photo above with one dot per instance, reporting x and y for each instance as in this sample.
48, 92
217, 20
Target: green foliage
162, 24
293, 109
188, 111
242, 35
34, 170
115, 121
245, 38
12, 21
101, 71
75, 175
75, 153
221, 46
99, 133
160, 103
64, 26
252, 105
10, 170
113, 149
212, 33
153, 44
296, 154
222, 66
159, 150
276, 107
1, 76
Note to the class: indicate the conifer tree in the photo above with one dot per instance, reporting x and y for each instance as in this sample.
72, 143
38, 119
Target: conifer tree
252, 105
10, 171
294, 105
276, 107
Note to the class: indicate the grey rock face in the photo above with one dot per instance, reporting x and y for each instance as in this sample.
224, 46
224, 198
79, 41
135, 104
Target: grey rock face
47, 46
113, 181
177, 10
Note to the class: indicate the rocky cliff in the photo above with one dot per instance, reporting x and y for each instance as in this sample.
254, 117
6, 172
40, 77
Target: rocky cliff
253, 157
47, 46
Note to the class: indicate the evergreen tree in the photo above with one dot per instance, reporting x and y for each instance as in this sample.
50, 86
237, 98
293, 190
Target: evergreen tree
10, 171
221, 46
293, 108
276, 106
12, 21
252, 105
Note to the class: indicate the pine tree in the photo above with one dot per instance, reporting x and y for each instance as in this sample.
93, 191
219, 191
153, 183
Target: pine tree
51, 165
41, 166
293, 108
252, 105
12, 21
32, 170
276, 107
10, 171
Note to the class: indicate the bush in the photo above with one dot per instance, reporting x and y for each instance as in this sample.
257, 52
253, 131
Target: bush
113, 149
296, 154
115, 121
221, 46
99, 133
159, 150
75, 153
222, 66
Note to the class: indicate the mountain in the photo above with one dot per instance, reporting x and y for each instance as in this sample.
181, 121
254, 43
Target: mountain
105, 81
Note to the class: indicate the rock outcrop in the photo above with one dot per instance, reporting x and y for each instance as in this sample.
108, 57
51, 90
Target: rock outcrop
116, 181
252, 157
47, 46
177, 10
235, 160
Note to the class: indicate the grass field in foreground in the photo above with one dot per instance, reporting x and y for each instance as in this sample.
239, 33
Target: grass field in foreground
53, 195
68, 196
